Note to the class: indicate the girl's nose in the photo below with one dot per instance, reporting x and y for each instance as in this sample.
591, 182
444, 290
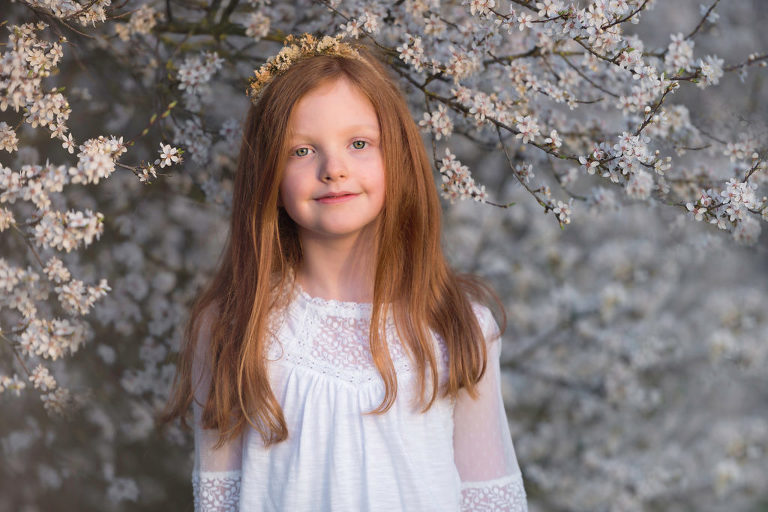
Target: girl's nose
332, 169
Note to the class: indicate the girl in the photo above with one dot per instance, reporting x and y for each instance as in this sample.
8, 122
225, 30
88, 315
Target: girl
335, 361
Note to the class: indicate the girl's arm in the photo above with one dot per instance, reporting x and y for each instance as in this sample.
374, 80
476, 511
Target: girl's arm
483, 450
216, 474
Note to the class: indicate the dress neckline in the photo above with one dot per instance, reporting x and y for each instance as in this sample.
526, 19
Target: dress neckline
331, 304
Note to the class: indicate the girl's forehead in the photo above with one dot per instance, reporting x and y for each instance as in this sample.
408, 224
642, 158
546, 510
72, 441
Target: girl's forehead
334, 87
333, 103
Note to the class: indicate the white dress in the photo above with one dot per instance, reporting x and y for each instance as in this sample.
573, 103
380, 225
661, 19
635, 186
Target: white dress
458, 456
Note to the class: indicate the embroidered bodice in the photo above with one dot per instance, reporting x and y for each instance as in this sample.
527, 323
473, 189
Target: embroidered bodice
457, 456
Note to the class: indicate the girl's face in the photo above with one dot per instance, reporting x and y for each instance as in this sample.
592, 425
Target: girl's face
333, 181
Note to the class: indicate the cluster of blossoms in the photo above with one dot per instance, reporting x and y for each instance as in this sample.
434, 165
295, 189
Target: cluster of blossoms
8, 140
194, 138
631, 163
740, 150
65, 231
412, 52
14, 383
461, 64
711, 70
679, 54
554, 139
58, 401
524, 172
367, 22
51, 339
457, 181
481, 106
625, 162
24, 296
257, 25
96, 159
438, 122
6, 219
731, 207
168, 156
88, 14
56, 271
615, 333
194, 75
640, 83
527, 127
480, 7
142, 21
77, 298
23, 65
563, 211
640, 185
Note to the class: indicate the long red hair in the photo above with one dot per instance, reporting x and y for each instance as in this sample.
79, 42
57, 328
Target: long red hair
262, 252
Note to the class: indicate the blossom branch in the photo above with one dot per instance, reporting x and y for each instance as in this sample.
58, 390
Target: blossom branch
703, 19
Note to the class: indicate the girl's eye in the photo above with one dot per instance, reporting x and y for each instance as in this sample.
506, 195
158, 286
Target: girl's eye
358, 144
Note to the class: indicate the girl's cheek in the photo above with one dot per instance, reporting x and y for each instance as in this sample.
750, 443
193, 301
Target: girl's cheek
370, 156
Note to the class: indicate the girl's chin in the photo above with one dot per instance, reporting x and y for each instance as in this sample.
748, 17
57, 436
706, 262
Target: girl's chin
338, 231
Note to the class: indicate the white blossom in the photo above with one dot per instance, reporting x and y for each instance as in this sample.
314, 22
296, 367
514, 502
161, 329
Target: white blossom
15, 384
258, 25
6, 219
96, 159
747, 231
57, 401
42, 379
194, 75
679, 54
525, 21
168, 156
549, 8
8, 140
528, 128
412, 52
122, 489
77, 298
554, 139
142, 21
480, 7
434, 26
56, 271
711, 70
640, 185
563, 211
712, 17
438, 122
67, 231
457, 180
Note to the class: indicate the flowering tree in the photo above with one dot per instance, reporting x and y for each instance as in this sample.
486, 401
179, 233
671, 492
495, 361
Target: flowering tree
585, 111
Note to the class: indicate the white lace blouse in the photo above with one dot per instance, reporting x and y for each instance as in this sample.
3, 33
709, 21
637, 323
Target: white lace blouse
458, 456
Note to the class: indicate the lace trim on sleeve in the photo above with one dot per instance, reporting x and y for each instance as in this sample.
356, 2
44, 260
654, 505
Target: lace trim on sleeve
217, 491
505, 494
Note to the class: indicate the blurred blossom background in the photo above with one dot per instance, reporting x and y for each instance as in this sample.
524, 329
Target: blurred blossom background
631, 263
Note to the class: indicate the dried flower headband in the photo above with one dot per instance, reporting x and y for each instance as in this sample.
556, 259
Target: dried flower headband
295, 50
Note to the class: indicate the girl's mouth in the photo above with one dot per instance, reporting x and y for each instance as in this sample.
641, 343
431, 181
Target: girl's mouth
333, 199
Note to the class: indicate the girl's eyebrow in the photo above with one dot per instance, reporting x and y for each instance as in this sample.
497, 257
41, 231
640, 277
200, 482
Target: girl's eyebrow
348, 129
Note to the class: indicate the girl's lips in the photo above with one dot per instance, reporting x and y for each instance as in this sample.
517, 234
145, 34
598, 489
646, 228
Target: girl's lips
335, 199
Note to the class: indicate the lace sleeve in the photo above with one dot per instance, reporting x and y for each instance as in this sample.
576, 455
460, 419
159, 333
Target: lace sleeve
483, 450
216, 473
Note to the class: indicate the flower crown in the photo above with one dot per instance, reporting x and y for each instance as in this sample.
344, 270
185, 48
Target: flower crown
295, 50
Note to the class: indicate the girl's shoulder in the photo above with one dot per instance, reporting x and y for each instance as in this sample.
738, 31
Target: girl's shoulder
488, 324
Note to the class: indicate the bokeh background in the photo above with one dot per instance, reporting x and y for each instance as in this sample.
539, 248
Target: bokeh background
634, 359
